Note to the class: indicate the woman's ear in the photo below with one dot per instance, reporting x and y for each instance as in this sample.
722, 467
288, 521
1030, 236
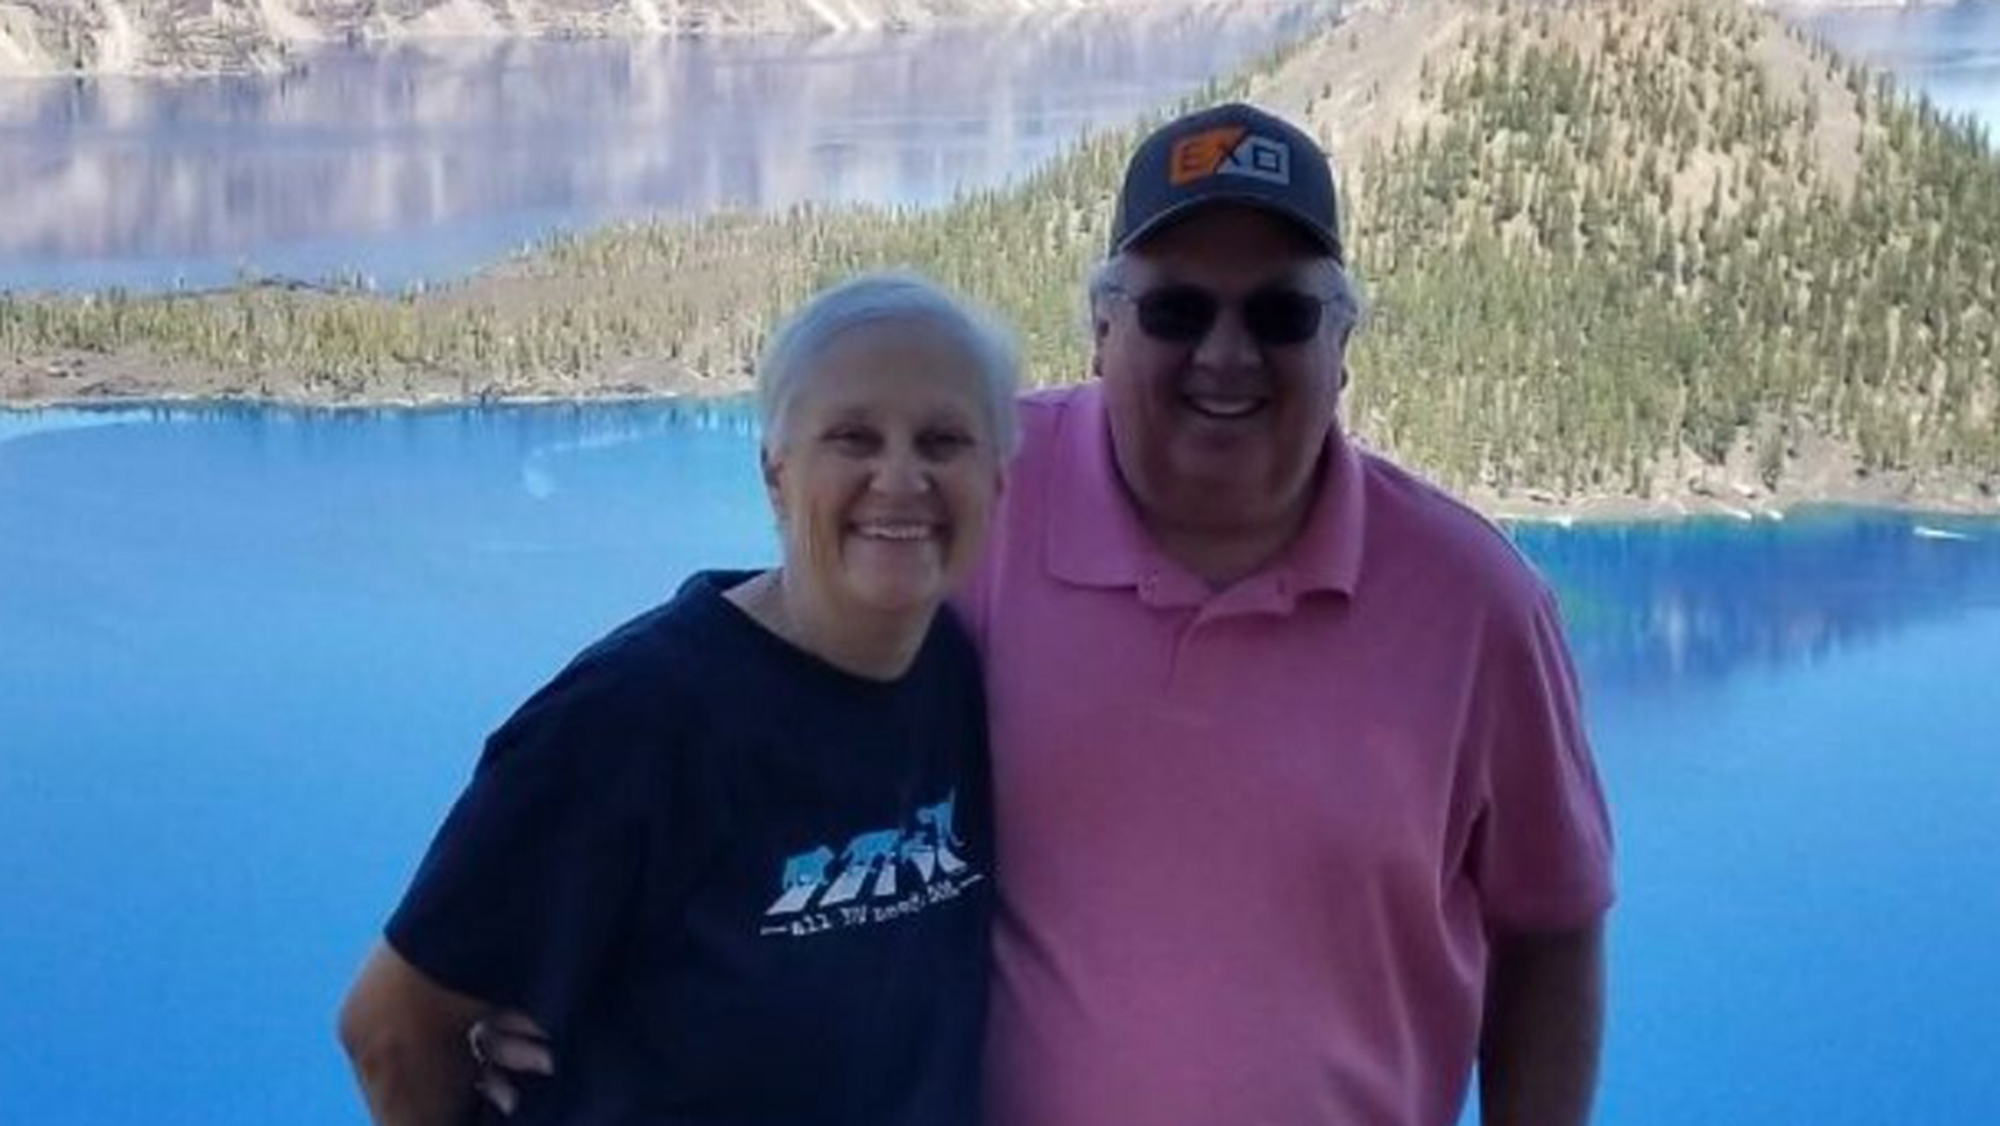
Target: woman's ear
772, 465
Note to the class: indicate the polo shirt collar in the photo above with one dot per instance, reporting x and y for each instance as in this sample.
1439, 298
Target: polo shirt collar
1095, 537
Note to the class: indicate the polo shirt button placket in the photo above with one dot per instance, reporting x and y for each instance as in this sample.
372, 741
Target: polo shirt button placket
1149, 594
1282, 601
1184, 638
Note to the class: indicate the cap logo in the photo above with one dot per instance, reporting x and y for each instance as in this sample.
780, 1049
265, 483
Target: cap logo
1229, 151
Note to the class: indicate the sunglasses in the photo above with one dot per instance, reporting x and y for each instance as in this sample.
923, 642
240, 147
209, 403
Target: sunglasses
1184, 314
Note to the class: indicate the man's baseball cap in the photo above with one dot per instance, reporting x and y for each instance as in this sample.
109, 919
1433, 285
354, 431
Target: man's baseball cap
1231, 153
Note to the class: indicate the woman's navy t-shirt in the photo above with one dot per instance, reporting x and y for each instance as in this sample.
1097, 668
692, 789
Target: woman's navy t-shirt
736, 884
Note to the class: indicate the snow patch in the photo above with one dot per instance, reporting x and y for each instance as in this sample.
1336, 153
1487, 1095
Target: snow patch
456, 18
118, 52
829, 15
287, 25
647, 12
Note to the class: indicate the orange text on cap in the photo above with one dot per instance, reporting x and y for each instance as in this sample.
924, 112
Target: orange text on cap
1201, 154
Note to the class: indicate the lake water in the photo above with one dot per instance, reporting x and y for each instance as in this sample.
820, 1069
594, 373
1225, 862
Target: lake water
246, 655
1951, 52
246, 658
426, 161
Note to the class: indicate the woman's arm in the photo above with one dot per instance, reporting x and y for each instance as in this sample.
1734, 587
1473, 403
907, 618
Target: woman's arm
405, 1036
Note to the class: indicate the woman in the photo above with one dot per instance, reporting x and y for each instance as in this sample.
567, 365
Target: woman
735, 858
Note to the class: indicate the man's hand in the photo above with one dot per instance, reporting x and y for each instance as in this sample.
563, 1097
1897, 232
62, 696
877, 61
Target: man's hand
505, 1047
1543, 1029
406, 1036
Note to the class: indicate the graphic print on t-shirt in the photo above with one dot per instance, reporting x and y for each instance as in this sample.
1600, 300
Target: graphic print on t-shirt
862, 884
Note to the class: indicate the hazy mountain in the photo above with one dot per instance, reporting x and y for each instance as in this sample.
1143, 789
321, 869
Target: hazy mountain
202, 36
1816, 5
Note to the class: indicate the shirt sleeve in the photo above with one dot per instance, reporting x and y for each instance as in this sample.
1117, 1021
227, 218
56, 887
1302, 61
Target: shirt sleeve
529, 885
1542, 845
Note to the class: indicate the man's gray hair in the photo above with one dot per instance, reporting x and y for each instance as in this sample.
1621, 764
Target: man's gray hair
1344, 301
890, 297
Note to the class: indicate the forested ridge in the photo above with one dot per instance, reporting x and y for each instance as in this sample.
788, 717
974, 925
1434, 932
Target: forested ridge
1625, 248
1616, 246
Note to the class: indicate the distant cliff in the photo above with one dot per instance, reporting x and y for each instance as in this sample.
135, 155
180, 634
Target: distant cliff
1823, 5
61, 37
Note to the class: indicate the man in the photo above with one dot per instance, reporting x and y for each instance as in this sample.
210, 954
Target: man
1295, 814
1296, 817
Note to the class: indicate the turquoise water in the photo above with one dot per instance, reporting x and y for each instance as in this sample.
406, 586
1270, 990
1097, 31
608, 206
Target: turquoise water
246, 657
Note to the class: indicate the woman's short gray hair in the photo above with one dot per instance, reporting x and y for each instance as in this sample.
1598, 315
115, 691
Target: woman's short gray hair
1344, 302
890, 297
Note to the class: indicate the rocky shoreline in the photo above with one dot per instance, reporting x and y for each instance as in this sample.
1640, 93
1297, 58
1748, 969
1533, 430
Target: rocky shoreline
192, 38
1848, 5
1717, 498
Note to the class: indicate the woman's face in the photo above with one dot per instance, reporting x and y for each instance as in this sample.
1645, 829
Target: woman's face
886, 471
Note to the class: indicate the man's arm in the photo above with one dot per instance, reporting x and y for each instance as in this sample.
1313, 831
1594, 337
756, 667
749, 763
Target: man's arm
405, 1036
1543, 1027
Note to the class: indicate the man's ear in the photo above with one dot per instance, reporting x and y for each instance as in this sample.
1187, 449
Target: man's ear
1100, 327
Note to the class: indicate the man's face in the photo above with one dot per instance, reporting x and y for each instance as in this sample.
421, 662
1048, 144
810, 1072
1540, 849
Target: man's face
1219, 435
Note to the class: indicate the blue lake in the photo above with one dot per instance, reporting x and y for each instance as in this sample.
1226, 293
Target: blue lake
246, 658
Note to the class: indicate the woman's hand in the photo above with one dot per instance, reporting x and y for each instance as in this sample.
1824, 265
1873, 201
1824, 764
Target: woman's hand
505, 1046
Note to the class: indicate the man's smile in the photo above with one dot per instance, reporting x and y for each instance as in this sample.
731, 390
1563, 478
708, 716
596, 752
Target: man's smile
1225, 408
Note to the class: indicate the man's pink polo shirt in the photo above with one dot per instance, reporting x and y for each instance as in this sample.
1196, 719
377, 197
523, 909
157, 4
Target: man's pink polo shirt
1251, 842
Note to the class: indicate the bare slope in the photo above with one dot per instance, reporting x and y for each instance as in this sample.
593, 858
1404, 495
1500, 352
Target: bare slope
44, 37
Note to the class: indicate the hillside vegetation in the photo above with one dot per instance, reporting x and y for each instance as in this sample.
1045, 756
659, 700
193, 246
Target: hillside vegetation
1624, 244
1633, 249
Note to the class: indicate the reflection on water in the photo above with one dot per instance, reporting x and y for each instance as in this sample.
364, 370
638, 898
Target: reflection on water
1651, 606
1656, 606
19, 424
578, 425
423, 161
418, 161
1951, 52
